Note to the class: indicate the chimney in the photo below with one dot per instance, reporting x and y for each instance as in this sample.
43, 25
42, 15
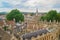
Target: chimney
14, 19
57, 22
54, 21
50, 21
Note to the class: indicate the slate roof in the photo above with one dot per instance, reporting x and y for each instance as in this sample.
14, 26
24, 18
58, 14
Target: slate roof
34, 34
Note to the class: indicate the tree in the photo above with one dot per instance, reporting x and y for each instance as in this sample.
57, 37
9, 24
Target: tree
43, 18
58, 17
15, 14
31, 14
51, 15
5, 28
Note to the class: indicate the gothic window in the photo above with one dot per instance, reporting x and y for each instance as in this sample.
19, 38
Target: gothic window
0, 38
52, 37
59, 36
37, 39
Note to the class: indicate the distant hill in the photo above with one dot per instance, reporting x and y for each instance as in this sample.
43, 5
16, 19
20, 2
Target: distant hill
27, 12
3, 13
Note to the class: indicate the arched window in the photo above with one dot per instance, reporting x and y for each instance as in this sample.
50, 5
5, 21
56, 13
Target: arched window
0, 37
52, 37
59, 36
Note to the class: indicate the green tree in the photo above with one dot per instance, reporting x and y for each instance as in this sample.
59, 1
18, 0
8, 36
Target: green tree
58, 17
43, 18
5, 28
51, 15
15, 14
32, 14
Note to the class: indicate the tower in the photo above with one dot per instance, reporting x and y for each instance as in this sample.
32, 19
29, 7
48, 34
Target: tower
36, 11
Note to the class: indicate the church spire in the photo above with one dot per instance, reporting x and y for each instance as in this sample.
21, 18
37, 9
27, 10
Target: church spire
36, 11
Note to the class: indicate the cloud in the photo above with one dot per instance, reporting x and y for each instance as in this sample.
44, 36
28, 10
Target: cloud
42, 3
13, 2
5, 9
30, 5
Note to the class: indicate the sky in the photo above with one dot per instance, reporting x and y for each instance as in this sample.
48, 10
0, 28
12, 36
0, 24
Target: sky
29, 5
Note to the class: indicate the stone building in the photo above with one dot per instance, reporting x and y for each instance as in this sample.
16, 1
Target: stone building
1, 22
50, 33
4, 35
34, 24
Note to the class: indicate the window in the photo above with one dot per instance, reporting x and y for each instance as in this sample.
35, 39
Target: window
59, 36
0, 38
52, 37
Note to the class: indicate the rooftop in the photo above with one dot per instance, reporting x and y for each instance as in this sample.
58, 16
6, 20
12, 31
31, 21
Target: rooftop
34, 34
